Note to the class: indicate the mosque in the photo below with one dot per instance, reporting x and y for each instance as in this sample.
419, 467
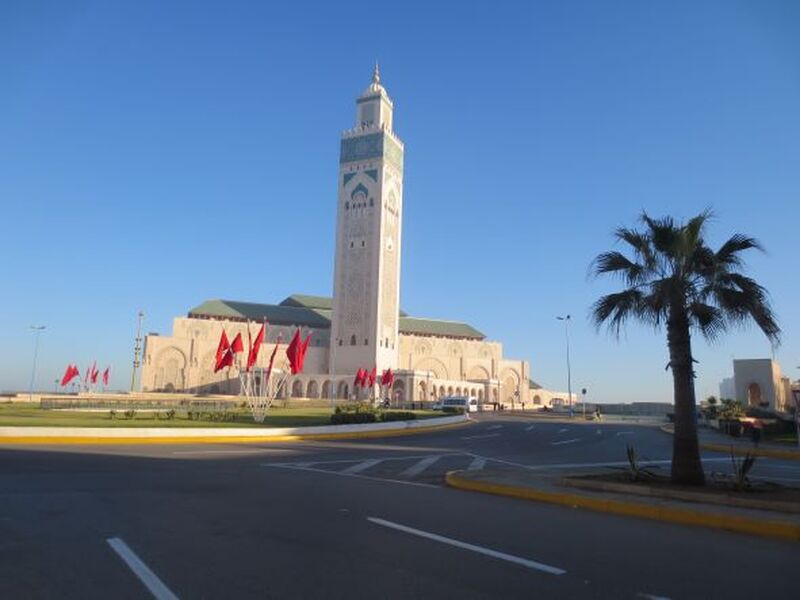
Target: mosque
362, 325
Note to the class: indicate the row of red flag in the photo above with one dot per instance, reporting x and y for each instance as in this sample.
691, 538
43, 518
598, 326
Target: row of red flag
227, 351
92, 373
366, 378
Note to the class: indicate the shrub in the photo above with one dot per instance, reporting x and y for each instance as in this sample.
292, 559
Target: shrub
130, 413
454, 410
112, 414
397, 415
349, 417
170, 414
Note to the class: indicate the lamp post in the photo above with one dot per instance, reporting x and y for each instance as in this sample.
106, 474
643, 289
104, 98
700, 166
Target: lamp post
137, 348
583, 392
566, 319
796, 394
38, 329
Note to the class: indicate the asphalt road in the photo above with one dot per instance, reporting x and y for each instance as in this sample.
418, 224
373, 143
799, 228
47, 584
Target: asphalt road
359, 519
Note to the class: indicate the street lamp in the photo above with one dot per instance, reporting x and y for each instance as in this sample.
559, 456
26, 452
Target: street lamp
566, 319
38, 329
796, 394
137, 348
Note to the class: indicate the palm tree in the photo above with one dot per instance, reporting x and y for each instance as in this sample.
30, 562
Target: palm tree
673, 278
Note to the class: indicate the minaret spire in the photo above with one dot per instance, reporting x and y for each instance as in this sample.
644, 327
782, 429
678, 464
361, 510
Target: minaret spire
376, 74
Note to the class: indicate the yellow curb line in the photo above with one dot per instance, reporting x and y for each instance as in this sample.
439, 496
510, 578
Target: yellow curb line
238, 439
767, 528
740, 451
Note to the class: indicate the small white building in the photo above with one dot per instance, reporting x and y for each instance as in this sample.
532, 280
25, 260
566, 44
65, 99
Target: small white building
758, 382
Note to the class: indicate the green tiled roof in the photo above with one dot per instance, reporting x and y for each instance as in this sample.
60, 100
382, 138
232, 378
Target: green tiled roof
533, 385
274, 313
315, 311
304, 301
437, 327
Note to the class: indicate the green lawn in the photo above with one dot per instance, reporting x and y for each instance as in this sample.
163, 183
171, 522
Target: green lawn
28, 415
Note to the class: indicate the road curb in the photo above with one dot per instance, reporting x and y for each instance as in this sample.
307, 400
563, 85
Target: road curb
225, 436
749, 526
785, 454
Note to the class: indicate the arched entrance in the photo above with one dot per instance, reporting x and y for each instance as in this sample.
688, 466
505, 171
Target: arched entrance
343, 391
312, 391
754, 394
399, 393
297, 389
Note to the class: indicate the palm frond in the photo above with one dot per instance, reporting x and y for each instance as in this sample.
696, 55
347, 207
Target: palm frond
729, 253
619, 264
614, 309
710, 320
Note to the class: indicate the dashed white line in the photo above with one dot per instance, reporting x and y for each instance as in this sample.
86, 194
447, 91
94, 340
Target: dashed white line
141, 570
495, 427
477, 464
619, 433
529, 427
477, 437
419, 467
362, 466
563, 430
572, 441
651, 596
531, 564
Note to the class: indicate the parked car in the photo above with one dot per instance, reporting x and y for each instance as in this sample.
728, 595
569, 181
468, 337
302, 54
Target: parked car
463, 402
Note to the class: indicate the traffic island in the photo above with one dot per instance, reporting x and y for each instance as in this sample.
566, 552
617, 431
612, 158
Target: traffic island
717, 442
523, 484
219, 435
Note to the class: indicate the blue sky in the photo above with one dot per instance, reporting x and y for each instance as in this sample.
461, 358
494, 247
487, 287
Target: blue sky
154, 155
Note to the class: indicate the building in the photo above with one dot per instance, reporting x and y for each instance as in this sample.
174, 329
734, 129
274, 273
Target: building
758, 382
362, 325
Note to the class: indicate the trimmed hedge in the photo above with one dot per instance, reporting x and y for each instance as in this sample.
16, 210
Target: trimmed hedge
349, 418
397, 415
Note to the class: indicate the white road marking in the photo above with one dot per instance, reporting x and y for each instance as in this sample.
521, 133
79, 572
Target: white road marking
651, 596
495, 427
563, 430
531, 564
572, 441
477, 437
591, 465
599, 432
362, 466
419, 467
351, 460
624, 433
529, 427
141, 570
242, 451
477, 464
340, 474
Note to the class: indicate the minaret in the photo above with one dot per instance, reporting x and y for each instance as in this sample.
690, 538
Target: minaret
366, 288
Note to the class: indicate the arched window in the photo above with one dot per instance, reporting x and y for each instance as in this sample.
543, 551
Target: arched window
353, 340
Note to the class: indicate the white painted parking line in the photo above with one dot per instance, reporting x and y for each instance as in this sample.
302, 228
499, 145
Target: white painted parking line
572, 441
477, 463
477, 437
531, 564
495, 427
362, 466
141, 570
340, 474
419, 467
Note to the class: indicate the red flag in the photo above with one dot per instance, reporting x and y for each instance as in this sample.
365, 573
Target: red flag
222, 348
272, 357
105, 375
95, 373
252, 356
69, 374
87, 375
372, 375
360, 378
387, 378
227, 360
237, 345
293, 352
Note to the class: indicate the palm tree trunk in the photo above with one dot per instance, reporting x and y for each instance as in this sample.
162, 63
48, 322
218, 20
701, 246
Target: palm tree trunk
686, 465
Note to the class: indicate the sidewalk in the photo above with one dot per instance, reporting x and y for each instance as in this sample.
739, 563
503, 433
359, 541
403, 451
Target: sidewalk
519, 483
713, 440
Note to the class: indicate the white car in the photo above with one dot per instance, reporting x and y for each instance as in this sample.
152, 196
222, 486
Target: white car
462, 402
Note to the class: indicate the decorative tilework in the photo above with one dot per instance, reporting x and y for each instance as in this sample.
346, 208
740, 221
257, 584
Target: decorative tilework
348, 177
373, 173
373, 145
